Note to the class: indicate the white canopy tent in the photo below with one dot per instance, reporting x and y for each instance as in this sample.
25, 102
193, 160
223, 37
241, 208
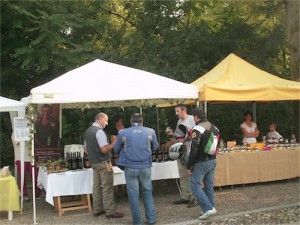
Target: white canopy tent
15, 109
101, 84
104, 84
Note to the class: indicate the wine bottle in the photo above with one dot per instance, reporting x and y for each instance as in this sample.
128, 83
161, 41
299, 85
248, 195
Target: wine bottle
74, 161
69, 160
79, 160
166, 154
160, 156
153, 156
86, 162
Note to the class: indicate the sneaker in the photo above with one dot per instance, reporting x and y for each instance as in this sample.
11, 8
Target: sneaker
26, 199
207, 214
151, 223
193, 203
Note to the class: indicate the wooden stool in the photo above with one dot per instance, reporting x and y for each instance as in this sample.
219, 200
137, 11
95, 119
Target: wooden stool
83, 203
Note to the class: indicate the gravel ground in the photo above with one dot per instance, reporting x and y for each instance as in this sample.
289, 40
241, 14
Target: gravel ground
262, 203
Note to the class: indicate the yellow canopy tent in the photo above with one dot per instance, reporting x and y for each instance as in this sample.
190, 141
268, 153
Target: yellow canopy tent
236, 80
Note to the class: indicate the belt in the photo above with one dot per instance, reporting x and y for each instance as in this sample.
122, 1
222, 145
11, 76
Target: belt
207, 158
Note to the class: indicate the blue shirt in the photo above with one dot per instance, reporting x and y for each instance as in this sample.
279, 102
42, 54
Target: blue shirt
135, 145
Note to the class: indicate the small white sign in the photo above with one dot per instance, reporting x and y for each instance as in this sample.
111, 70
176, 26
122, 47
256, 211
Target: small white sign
21, 125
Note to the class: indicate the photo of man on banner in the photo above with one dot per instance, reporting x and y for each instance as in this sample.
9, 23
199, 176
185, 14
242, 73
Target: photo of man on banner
46, 139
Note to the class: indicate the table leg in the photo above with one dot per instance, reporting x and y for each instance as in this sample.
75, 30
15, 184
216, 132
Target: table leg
59, 206
89, 203
10, 215
55, 204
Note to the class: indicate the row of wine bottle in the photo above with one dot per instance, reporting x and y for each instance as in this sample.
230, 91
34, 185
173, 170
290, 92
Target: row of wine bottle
158, 156
161, 156
75, 161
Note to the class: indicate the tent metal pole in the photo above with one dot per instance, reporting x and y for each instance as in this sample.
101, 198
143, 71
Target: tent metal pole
33, 180
157, 124
254, 111
60, 121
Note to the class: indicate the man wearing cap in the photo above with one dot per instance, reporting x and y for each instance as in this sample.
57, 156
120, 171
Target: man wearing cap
201, 166
184, 124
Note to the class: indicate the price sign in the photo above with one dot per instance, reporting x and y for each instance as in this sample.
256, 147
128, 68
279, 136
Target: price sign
21, 129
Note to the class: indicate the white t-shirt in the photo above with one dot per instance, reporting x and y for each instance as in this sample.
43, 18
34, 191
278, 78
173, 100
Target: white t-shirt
274, 134
251, 129
189, 123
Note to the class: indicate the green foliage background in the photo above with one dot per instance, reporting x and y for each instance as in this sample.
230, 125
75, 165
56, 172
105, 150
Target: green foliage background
40, 40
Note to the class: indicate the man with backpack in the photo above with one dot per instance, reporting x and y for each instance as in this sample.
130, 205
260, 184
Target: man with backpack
202, 162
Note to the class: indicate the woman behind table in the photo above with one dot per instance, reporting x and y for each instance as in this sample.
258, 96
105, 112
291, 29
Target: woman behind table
249, 128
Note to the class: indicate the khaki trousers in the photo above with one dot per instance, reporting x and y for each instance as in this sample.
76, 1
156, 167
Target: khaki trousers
184, 181
103, 190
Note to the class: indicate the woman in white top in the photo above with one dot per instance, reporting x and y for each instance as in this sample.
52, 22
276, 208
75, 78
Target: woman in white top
249, 129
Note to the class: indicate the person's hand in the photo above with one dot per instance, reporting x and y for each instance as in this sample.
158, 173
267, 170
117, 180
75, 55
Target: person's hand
190, 172
113, 139
169, 131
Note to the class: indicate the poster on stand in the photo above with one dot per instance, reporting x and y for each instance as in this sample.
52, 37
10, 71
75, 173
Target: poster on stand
46, 139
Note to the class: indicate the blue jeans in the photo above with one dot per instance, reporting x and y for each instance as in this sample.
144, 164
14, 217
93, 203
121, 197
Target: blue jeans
204, 172
139, 181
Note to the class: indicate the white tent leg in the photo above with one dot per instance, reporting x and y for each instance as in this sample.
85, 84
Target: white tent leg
33, 181
22, 148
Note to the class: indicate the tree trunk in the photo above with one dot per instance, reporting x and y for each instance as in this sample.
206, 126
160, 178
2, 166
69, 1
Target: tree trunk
292, 23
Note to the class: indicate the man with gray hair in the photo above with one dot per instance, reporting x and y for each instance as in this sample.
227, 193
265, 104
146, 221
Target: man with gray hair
103, 176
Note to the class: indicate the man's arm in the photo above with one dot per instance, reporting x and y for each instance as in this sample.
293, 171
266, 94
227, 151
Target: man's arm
154, 144
102, 142
196, 136
119, 144
107, 148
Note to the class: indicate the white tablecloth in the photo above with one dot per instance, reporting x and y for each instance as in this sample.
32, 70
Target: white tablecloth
66, 183
81, 181
159, 171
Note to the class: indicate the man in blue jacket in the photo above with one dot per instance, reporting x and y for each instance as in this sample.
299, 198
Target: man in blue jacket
134, 146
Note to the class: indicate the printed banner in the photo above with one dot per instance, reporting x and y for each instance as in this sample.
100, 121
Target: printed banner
46, 138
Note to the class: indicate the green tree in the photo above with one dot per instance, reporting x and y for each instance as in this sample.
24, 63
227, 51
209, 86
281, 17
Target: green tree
183, 40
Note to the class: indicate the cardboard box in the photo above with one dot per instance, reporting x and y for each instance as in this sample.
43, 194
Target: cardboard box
258, 144
231, 144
